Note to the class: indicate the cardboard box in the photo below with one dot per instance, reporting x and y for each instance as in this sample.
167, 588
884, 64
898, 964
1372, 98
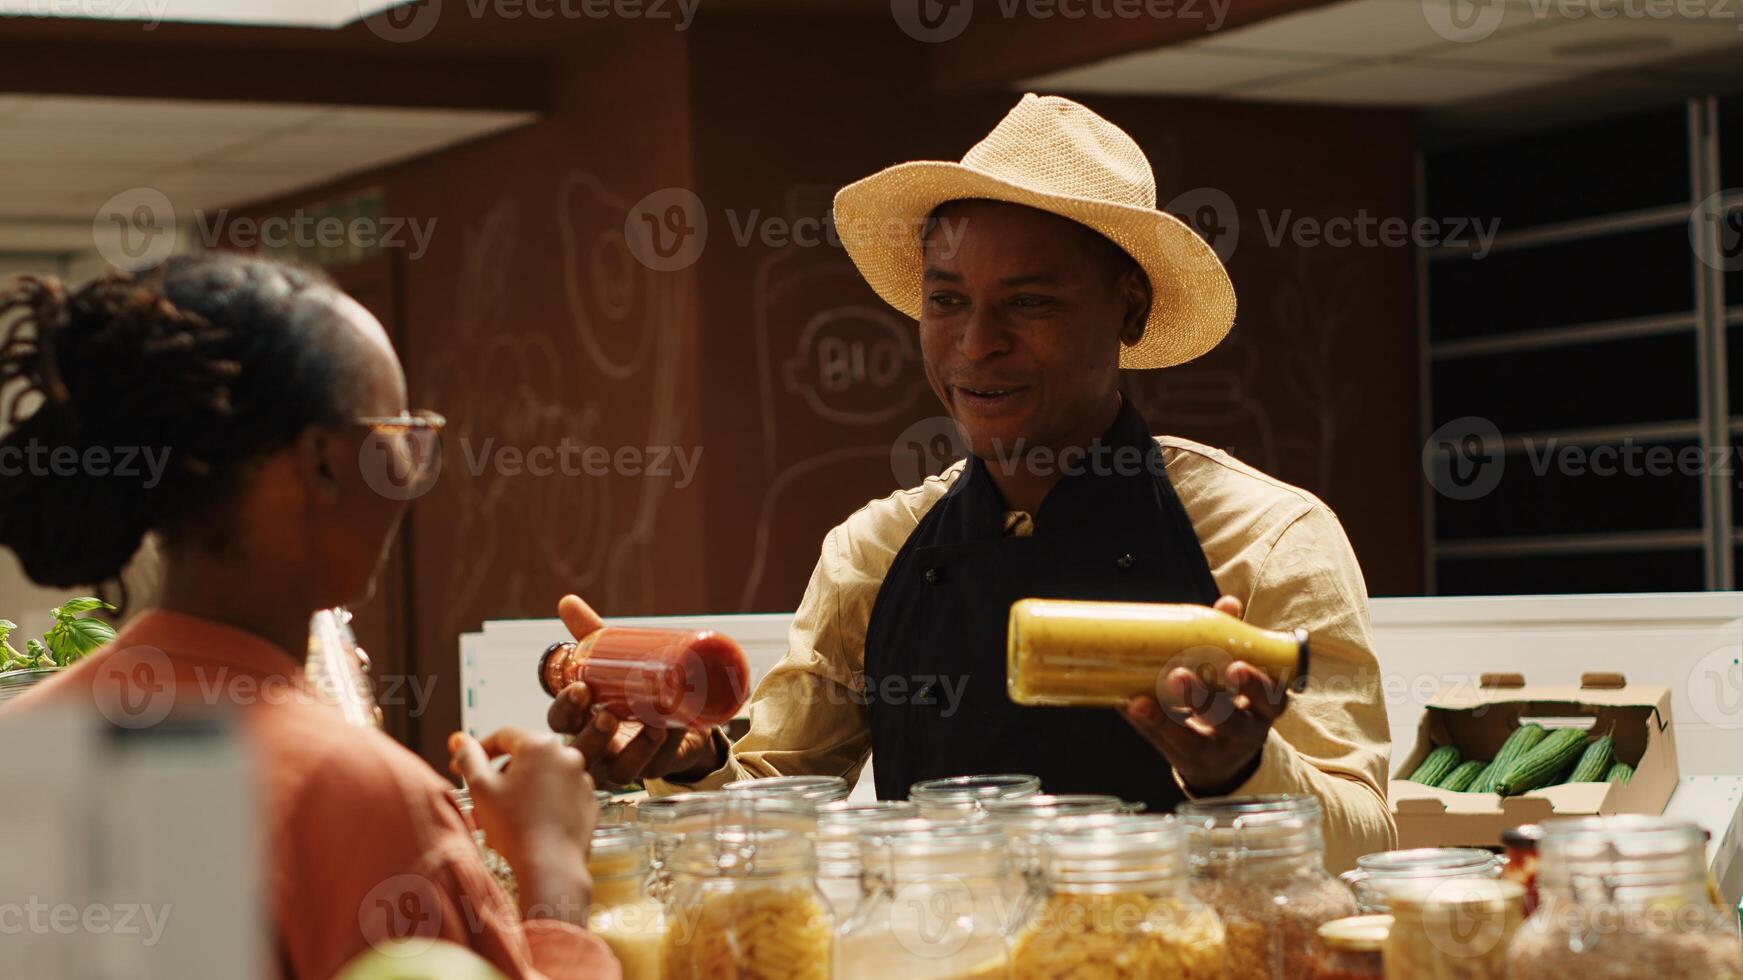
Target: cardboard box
1476, 720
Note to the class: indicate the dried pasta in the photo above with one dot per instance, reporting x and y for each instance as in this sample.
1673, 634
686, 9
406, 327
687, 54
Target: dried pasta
750, 933
1119, 935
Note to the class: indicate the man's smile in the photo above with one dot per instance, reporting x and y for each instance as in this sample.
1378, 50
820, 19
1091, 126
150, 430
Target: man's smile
989, 397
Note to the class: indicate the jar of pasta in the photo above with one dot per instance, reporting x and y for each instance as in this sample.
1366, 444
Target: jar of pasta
937, 905
961, 797
837, 841
1117, 905
1349, 949
744, 904
816, 789
1377, 872
1624, 898
1023, 818
623, 915
1259, 861
1454, 929
669, 818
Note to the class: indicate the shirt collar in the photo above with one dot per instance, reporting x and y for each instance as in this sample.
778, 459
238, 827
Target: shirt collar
196, 638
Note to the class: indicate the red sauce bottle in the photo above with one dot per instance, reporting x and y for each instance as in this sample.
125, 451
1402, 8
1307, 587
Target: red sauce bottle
662, 678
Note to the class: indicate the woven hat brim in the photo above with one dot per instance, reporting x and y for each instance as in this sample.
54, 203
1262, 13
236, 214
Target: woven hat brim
878, 220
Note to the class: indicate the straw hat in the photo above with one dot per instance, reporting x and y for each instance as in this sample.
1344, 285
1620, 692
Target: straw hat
1055, 155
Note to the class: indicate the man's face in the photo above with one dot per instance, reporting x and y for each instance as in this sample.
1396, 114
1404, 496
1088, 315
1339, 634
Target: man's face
1021, 324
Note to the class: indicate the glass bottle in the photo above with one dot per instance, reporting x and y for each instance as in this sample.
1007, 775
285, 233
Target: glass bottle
839, 826
1624, 898
660, 677
1087, 654
745, 904
1349, 949
815, 789
1259, 861
623, 915
1375, 873
961, 797
1116, 905
1453, 929
939, 899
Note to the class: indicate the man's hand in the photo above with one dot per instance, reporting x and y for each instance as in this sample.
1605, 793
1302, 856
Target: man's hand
538, 813
619, 750
1214, 742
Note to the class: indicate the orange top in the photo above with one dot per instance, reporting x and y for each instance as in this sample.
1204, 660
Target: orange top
364, 842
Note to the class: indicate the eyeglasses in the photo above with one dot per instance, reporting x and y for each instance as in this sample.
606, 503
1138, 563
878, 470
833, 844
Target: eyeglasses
409, 446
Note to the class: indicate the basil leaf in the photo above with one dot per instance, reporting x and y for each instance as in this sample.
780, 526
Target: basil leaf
73, 607
83, 636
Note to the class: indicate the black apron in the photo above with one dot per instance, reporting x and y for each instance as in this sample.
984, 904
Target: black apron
935, 645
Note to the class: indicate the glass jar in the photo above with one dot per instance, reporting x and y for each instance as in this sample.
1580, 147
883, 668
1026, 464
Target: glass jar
1349, 949
1453, 929
1259, 861
1021, 819
613, 808
838, 847
495, 863
1117, 904
1624, 898
745, 904
1375, 873
816, 789
669, 819
623, 915
938, 902
961, 797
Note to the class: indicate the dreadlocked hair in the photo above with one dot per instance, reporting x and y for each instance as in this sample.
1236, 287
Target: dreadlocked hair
138, 402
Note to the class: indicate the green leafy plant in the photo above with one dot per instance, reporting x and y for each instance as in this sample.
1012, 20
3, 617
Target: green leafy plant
70, 637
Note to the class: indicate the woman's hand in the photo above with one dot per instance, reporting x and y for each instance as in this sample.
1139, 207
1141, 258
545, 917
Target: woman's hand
621, 751
538, 813
1214, 742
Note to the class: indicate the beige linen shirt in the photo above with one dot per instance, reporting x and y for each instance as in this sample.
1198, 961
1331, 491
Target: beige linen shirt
1275, 547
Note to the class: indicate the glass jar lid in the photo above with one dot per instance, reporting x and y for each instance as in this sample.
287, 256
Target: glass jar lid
618, 850
917, 847
661, 810
741, 852
1357, 933
1466, 899
843, 813
817, 789
1622, 856
1231, 829
970, 792
1032, 811
1113, 851
690, 812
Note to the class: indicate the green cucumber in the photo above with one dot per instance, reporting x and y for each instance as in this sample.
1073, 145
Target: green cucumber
1460, 779
1441, 762
1523, 740
1595, 762
1620, 772
1548, 759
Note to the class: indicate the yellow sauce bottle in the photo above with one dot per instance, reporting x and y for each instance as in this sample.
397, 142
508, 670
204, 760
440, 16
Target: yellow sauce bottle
1072, 653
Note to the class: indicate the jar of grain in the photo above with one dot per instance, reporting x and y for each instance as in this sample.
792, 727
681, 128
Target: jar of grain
1117, 905
1624, 898
938, 899
1259, 861
623, 915
1455, 929
1375, 873
837, 841
744, 903
1349, 949
961, 797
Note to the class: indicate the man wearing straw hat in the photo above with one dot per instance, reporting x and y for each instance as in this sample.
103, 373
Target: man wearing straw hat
1038, 267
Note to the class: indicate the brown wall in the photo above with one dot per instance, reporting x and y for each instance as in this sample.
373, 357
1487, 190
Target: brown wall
527, 322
